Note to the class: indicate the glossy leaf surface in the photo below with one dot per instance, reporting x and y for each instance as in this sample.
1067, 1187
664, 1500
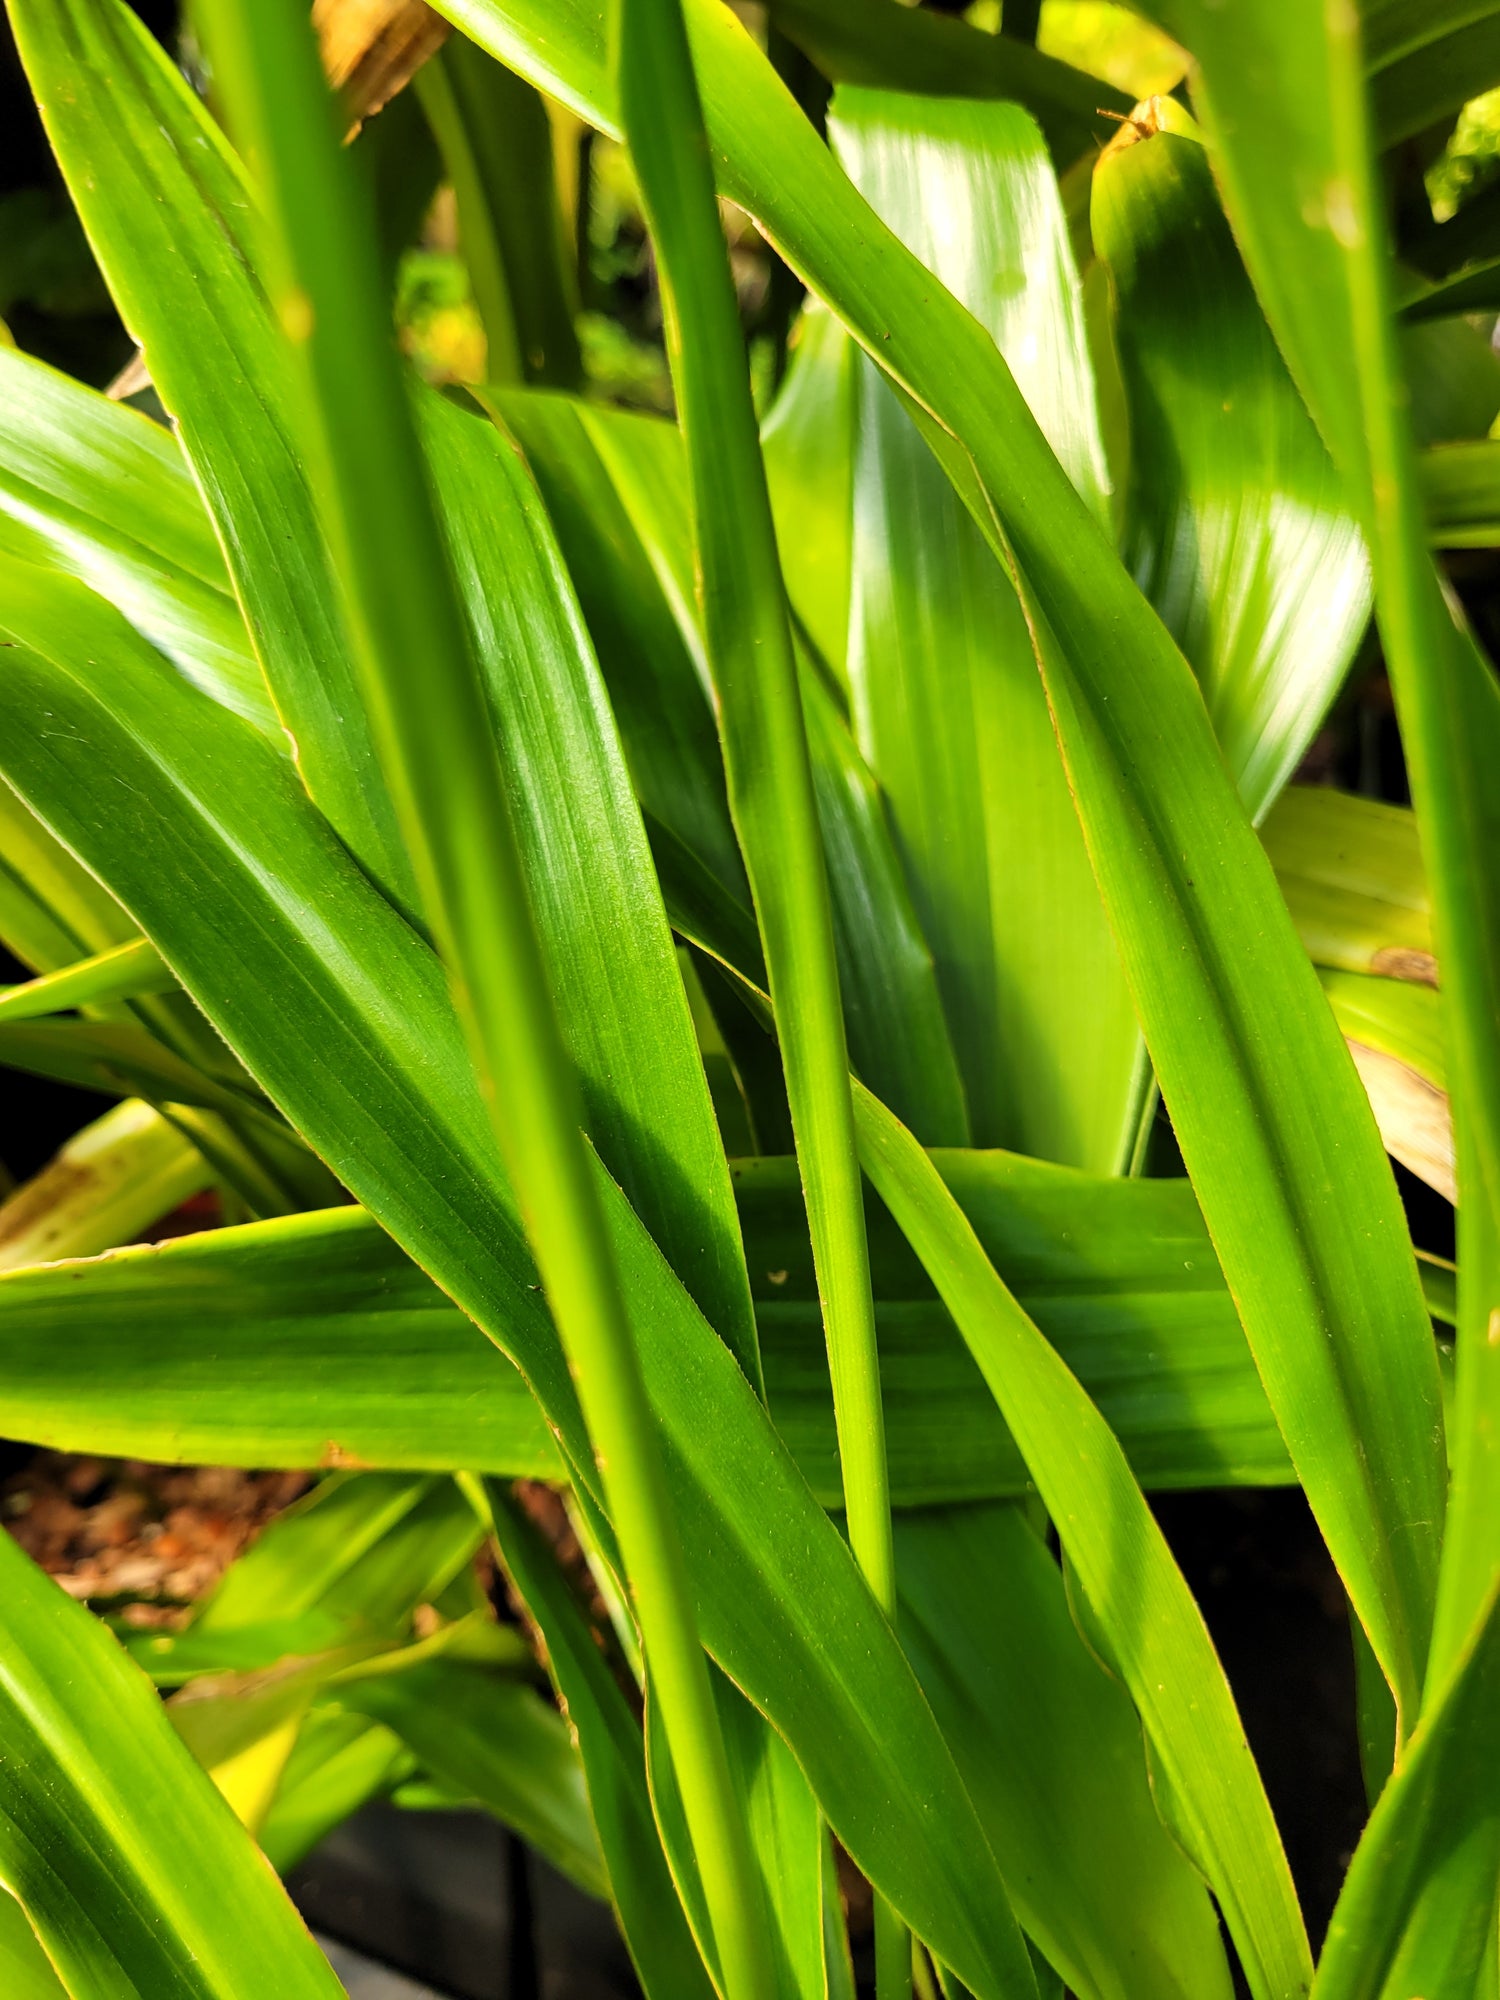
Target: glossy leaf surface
946, 701
1238, 529
99, 490
1329, 294
132, 1869
180, 266
1416, 1914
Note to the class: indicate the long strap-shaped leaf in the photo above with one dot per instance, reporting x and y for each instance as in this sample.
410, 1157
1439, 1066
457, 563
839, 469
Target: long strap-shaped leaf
135, 767
893, 1012
131, 1868
1328, 291
609, 1745
945, 696
1238, 530
330, 1345
754, 669
1154, 1635
178, 262
101, 491
1417, 1911
1294, 1183
436, 747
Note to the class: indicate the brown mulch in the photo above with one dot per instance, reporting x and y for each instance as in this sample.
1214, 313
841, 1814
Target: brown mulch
149, 1540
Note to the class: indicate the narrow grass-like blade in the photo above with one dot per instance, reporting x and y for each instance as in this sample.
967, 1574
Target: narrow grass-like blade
946, 702
1329, 292
1294, 1185
1351, 871
110, 1182
786, 1833
1423, 61
610, 1747
122, 973
449, 784
339, 1763
753, 665
1051, 1749
114, 1057
130, 1867
395, 1110
496, 142
891, 48
1417, 1909
1237, 527
660, 704
101, 491
593, 895
179, 263
1138, 1605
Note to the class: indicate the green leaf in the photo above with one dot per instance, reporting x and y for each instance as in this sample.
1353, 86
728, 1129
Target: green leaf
1425, 58
1051, 1751
114, 1057
786, 1837
495, 1741
895, 49
1417, 1913
331, 1347
593, 895
660, 704
610, 1748
338, 1763
1472, 289
180, 264
1351, 871
1238, 531
898, 1039
393, 1107
807, 442
360, 1551
102, 492
1136, 1600
946, 702
121, 973
1461, 483
110, 1182
25, 1969
496, 143
128, 1864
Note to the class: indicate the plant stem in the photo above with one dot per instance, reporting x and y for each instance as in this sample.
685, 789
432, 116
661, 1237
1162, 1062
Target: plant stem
438, 754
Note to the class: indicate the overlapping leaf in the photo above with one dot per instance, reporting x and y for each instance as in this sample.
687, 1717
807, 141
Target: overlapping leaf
129, 1865
391, 1103
1294, 1185
946, 702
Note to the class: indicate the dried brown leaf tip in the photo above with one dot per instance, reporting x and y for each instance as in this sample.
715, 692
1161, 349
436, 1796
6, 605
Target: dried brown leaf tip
373, 48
